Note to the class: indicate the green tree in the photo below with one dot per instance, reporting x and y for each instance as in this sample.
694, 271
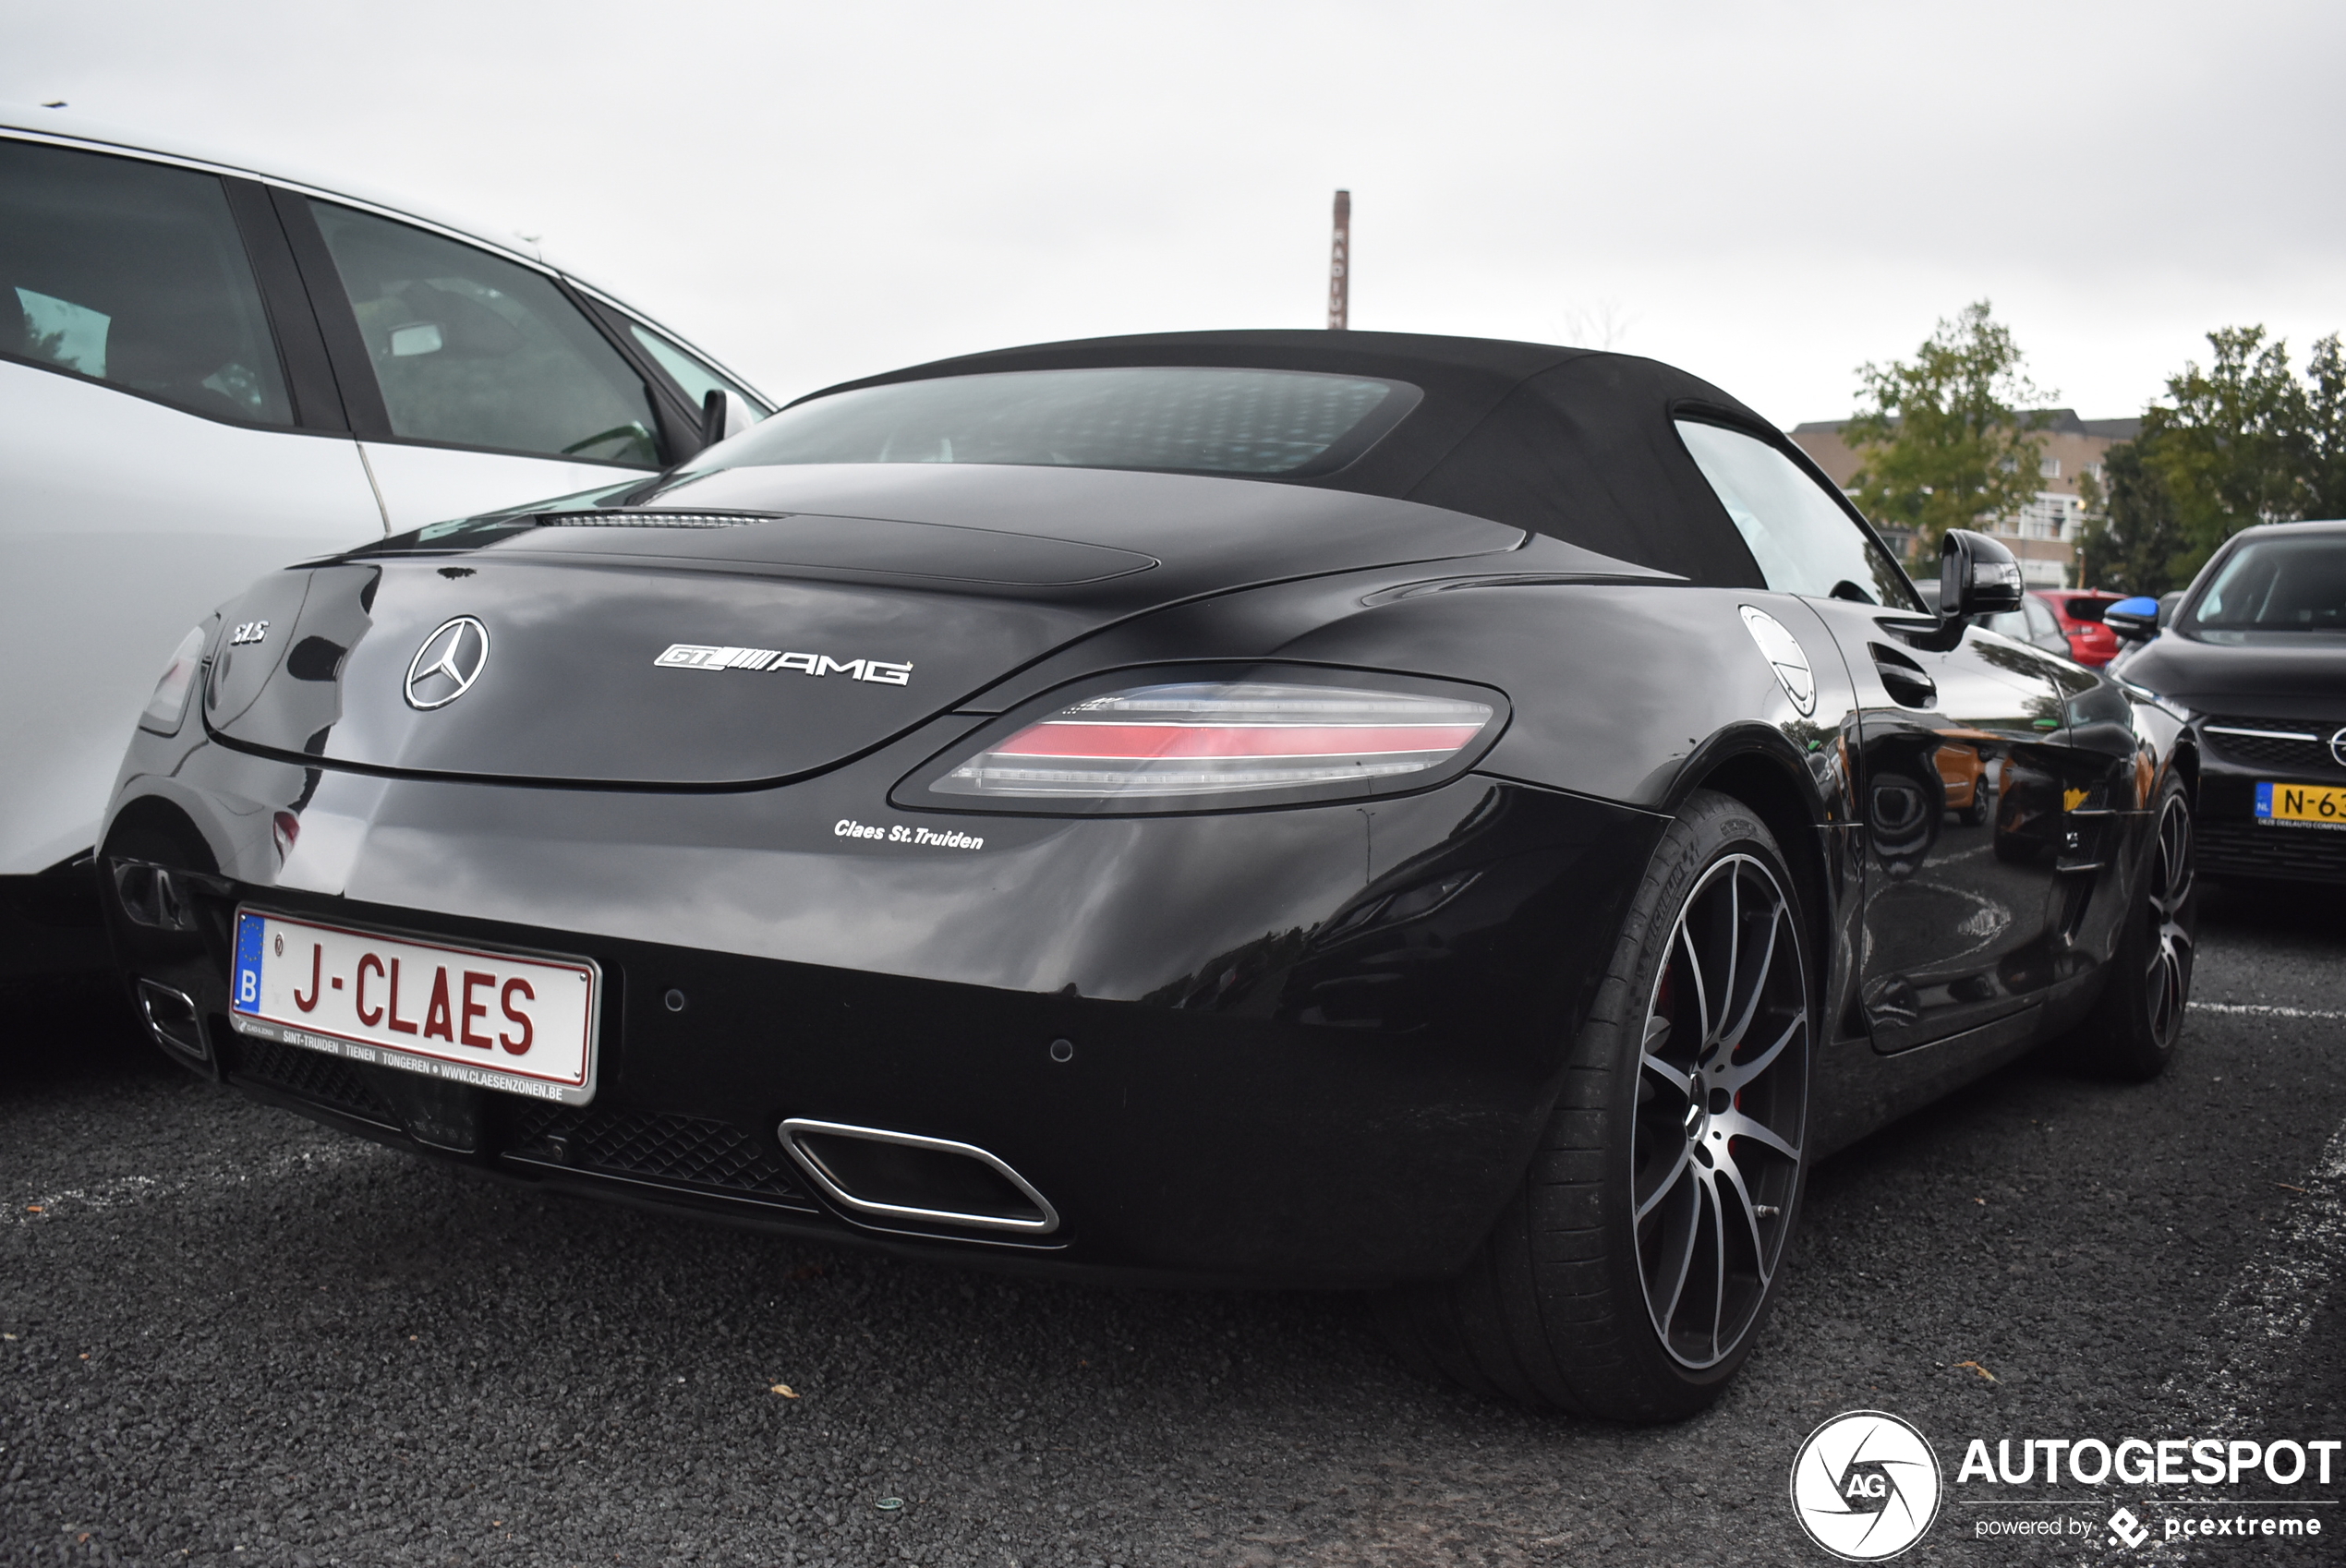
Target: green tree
2242, 441
2133, 541
2230, 446
2325, 438
1941, 439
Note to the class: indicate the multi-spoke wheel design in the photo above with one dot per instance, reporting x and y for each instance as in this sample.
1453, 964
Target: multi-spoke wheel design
1629, 1275
2137, 1020
1721, 1098
2167, 977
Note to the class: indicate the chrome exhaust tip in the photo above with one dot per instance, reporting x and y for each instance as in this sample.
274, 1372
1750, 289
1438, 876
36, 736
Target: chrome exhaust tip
150, 895
172, 1018
901, 1178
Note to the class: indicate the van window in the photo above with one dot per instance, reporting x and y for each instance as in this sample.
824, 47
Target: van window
474, 350
133, 274
693, 378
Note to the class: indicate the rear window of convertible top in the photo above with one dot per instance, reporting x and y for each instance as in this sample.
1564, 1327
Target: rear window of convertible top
1167, 418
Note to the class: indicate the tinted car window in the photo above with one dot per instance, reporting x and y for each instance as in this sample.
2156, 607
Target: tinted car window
2032, 623
1179, 418
478, 351
2275, 584
1804, 541
2044, 628
695, 380
133, 274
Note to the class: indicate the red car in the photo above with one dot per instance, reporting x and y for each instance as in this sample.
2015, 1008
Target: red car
2078, 613
2062, 620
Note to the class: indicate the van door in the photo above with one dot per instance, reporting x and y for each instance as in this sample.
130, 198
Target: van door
156, 454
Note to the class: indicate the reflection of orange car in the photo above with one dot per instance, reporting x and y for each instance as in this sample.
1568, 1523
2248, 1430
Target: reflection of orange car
1966, 776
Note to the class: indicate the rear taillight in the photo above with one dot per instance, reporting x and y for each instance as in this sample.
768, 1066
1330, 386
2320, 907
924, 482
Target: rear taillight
1222, 738
2093, 639
169, 704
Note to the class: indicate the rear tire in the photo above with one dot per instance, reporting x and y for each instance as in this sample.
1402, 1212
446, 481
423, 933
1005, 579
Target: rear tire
2134, 1028
1631, 1271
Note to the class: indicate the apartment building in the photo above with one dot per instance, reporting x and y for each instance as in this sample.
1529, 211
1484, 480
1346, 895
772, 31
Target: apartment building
2044, 534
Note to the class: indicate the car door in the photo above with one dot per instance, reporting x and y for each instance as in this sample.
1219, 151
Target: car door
171, 432
1965, 768
1960, 769
482, 382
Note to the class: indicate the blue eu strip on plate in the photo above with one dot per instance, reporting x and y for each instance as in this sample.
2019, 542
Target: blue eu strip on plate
250, 929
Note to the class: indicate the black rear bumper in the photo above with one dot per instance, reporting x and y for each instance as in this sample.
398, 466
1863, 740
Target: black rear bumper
1347, 1098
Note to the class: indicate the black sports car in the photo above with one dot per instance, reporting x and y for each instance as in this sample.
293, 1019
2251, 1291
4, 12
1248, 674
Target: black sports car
1471, 819
2256, 653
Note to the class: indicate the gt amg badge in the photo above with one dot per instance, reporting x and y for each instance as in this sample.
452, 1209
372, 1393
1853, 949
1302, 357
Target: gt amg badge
448, 664
696, 656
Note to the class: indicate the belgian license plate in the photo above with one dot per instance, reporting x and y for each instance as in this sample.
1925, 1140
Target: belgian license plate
2312, 806
525, 1025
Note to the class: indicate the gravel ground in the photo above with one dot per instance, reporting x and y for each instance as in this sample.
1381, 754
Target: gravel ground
235, 1338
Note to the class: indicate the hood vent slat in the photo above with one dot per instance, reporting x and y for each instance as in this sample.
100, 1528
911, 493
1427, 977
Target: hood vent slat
648, 517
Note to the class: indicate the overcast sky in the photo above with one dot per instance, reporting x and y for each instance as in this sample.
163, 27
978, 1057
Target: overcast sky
1765, 194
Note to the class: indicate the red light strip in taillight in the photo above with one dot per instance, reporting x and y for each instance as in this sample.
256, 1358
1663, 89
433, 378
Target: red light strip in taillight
1061, 739
1203, 740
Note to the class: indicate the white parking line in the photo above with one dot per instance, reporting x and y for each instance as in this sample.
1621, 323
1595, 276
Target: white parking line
2263, 1325
2263, 1010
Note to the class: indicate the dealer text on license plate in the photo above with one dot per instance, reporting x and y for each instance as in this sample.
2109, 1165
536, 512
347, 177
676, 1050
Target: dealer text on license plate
2316, 805
523, 1025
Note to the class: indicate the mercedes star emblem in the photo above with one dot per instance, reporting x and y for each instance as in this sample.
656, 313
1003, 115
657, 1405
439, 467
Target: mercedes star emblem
446, 666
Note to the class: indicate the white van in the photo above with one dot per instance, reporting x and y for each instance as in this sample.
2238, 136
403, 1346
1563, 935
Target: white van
207, 371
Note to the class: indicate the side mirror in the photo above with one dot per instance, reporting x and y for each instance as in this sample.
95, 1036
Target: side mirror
2135, 620
1977, 576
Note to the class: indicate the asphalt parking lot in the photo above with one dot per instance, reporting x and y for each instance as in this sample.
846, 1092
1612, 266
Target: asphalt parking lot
235, 1338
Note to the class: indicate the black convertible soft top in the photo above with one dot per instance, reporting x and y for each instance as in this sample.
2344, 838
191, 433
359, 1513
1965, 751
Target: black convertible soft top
1569, 442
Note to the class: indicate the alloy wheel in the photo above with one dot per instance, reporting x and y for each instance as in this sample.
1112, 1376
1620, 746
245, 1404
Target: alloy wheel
2167, 979
1720, 1110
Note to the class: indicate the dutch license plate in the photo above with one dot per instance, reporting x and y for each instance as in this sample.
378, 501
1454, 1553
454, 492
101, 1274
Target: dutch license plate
499, 1020
2317, 805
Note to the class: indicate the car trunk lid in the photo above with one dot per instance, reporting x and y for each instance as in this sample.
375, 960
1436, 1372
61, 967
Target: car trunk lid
729, 638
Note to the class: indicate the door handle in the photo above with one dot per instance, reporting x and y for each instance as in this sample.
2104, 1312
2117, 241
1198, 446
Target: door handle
1909, 685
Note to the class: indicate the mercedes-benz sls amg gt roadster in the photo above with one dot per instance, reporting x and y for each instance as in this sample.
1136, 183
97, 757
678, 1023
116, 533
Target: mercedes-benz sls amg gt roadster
1471, 820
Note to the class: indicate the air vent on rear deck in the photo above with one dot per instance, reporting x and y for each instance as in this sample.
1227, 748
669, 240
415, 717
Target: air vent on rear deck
645, 517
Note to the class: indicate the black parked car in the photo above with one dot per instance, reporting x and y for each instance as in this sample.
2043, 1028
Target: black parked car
2256, 654
1471, 819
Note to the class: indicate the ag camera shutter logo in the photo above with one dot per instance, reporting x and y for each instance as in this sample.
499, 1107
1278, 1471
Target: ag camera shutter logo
1866, 1486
